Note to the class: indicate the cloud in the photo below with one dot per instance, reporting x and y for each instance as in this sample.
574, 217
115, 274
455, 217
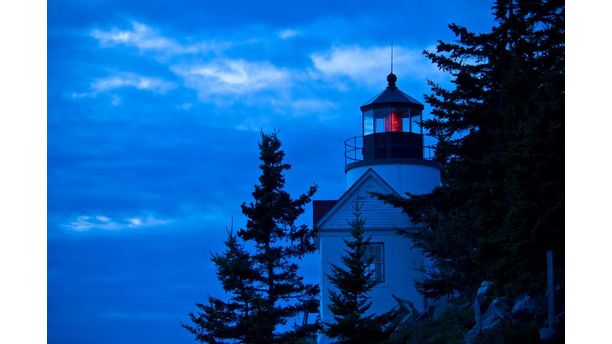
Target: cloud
84, 223
131, 80
232, 77
288, 33
121, 81
367, 65
146, 38
229, 78
102, 218
140, 36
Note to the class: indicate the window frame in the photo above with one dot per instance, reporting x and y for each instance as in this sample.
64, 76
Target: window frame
382, 259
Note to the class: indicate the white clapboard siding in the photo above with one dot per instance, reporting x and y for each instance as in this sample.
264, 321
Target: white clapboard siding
377, 214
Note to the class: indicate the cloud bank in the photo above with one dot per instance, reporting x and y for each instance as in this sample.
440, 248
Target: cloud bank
147, 39
84, 223
233, 77
131, 80
365, 65
245, 68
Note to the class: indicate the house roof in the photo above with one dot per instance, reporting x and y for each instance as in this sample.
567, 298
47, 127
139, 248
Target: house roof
320, 208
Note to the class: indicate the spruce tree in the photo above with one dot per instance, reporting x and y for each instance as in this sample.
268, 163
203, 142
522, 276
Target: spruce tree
500, 134
221, 320
263, 282
350, 303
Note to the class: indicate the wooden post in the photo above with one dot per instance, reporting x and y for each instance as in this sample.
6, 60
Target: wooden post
550, 284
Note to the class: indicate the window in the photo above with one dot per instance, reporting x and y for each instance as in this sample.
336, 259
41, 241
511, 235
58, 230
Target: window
386, 120
368, 122
393, 122
376, 251
379, 125
415, 124
406, 124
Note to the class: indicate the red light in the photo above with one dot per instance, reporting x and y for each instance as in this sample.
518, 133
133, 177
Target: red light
393, 122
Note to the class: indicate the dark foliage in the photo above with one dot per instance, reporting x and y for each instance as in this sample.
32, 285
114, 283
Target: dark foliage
500, 134
349, 303
447, 328
263, 283
510, 332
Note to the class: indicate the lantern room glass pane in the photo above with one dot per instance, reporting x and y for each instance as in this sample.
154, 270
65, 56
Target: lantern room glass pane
390, 119
406, 124
415, 124
379, 125
368, 122
393, 122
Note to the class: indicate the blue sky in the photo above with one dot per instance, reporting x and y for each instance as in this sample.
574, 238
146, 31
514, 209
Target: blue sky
154, 112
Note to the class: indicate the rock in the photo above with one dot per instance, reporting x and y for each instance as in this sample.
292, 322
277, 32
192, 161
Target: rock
547, 334
481, 301
470, 337
524, 307
484, 293
498, 310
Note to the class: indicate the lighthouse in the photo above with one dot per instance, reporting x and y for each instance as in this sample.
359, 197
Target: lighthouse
389, 157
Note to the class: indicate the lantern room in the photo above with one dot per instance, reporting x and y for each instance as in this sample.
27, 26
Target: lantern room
392, 125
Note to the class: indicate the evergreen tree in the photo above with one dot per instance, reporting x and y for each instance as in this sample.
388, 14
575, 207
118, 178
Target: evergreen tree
233, 319
500, 134
263, 283
349, 304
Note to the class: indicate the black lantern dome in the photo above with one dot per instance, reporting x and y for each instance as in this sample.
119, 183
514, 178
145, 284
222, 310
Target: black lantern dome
391, 125
392, 96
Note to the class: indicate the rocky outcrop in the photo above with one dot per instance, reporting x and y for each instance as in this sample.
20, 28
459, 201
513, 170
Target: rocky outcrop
498, 311
524, 308
484, 294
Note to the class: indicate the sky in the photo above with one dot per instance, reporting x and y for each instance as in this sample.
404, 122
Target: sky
154, 113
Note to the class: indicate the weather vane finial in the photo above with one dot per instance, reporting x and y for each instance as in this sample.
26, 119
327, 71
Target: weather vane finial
391, 78
391, 57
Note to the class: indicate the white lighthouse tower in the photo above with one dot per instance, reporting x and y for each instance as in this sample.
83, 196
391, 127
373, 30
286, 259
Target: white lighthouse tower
388, 158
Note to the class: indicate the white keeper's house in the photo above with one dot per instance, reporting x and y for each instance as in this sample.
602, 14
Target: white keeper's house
388, 158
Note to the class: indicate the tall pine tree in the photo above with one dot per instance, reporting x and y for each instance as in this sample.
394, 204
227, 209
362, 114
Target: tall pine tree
263, 283
350, 303
500, 134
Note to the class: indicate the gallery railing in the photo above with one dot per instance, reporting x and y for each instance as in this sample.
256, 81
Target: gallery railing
354, 150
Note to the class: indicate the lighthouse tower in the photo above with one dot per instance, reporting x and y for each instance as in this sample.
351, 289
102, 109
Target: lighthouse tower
388, 158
